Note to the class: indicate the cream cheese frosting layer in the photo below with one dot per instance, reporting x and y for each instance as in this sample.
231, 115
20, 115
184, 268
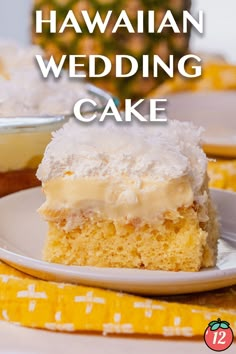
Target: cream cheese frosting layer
117, 199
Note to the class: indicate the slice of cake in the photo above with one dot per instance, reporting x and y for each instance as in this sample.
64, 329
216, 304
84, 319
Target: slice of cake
130, 196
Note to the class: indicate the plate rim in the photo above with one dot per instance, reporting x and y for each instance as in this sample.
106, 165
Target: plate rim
213, 147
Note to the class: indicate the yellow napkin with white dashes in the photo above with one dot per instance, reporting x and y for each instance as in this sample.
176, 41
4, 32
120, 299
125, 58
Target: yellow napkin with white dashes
35, 303
222, 174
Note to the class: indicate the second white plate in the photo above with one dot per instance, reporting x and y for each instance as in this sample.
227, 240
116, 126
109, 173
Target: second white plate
22, 236
215, 111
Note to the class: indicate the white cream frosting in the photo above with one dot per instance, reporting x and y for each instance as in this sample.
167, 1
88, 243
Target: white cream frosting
115, 199
158, 152
122, 172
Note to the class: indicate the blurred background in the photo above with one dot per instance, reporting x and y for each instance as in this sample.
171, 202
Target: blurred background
219, 36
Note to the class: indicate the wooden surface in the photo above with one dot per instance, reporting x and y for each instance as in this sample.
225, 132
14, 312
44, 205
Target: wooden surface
15, 181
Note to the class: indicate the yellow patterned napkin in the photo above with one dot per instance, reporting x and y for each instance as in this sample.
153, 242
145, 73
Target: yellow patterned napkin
63, 307
222, 174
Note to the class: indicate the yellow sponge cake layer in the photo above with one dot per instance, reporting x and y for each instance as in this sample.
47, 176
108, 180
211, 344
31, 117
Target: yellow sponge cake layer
173, 245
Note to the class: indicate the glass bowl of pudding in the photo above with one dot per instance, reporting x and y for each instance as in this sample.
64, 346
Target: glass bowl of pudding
22, 144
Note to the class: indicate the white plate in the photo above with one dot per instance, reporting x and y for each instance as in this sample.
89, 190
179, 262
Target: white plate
215, 111
22, 237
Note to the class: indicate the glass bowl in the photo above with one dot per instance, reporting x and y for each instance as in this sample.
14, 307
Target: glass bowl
24, 139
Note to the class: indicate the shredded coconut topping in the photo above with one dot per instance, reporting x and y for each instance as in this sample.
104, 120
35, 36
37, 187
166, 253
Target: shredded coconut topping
159, 152
23, 90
